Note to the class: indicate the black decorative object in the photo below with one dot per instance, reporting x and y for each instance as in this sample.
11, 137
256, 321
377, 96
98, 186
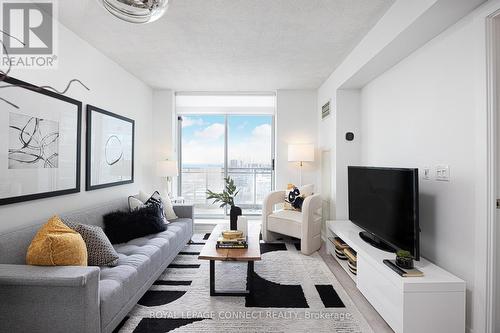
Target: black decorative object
41, 152
404, 259
349, 136
233, 214
110, 149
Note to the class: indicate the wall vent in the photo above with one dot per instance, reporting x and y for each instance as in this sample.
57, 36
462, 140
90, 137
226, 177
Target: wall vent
325, 110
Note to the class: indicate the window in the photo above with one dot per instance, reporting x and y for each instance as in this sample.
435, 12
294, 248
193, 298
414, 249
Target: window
223, 136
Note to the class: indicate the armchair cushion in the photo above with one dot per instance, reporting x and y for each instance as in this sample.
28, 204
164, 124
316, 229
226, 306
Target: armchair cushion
288, 215
287, 222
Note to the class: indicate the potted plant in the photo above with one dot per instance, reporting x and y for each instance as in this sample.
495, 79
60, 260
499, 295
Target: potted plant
227, 198
404, 259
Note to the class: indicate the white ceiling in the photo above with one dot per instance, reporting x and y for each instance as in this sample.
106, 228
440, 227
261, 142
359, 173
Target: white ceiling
230, 44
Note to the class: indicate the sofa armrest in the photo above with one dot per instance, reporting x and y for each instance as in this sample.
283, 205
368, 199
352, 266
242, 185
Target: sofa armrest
49, 299
184, 211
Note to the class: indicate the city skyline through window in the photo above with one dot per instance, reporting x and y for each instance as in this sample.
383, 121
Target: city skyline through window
204, 163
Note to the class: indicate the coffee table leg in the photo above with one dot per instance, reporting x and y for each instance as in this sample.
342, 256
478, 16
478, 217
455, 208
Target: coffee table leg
213, 292
212, 277
250, 276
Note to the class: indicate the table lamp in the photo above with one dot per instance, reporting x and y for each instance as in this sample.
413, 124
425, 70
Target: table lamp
300, 153
167, 169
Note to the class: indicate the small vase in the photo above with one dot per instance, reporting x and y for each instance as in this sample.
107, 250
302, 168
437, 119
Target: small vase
233, 216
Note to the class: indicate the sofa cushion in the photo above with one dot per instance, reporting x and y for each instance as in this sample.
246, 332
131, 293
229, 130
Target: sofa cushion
55, 244
287, 222
138, 261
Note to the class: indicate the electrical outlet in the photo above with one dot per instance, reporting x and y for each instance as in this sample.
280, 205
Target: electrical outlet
427, 173
443, 173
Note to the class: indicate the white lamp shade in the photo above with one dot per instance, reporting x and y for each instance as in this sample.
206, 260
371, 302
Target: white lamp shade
301, 153
167, 168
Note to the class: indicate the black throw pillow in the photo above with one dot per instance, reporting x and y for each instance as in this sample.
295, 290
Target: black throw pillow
121, 227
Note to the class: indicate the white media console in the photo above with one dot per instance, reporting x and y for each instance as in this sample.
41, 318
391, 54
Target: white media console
432, 303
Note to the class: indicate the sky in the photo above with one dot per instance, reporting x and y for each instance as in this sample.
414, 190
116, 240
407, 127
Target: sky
249, 139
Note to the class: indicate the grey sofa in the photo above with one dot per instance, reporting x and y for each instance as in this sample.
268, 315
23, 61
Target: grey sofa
83, 299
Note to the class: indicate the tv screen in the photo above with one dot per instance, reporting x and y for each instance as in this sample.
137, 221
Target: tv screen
384, 202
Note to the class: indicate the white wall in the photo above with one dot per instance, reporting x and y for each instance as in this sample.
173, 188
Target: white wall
295, 123
429, 109
164, 132
421, 114
497, 213
347, 152
164, 125
113, 89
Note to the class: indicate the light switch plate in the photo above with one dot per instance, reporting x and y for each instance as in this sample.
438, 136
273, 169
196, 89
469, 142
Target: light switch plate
443, 173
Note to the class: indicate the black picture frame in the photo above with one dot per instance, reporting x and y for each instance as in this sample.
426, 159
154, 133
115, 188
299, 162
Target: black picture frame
19, 84
88, 169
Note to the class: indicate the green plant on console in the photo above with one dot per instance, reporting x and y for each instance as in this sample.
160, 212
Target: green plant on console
226, 197
404, 254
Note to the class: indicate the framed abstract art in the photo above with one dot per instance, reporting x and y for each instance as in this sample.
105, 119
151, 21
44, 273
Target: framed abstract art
40, 143
110, 149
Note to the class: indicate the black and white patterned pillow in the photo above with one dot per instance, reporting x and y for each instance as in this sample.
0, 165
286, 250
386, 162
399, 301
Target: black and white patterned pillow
99, 248
294, 199
156, 200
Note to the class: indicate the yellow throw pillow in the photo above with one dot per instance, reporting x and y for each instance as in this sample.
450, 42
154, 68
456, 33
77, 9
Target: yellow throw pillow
55, 244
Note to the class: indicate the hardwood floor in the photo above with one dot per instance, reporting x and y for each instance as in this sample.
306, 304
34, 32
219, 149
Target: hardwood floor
375, 321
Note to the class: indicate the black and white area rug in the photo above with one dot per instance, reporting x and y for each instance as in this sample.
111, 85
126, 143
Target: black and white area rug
292, 293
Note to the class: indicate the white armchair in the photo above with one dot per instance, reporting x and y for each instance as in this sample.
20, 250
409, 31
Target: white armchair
305, 225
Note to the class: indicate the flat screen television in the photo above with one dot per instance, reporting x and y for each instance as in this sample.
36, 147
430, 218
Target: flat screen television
384, 202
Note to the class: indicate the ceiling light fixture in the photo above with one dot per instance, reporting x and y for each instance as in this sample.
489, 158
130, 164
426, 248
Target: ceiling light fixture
137, 11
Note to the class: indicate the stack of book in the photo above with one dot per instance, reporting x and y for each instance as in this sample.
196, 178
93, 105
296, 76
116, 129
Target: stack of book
351, 256
232, 243
404, 272
340, 246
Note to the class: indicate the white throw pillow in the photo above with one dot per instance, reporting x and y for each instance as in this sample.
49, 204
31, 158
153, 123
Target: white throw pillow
307, 190
142, 196
134, 203
168, 208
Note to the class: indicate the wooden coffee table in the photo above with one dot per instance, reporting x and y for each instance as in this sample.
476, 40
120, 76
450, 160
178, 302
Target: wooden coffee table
251, 254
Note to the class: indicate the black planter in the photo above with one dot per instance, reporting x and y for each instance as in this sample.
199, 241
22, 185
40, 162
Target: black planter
233, 215
404, 262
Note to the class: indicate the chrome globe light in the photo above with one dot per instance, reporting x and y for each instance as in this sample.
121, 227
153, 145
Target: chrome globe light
137, 11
